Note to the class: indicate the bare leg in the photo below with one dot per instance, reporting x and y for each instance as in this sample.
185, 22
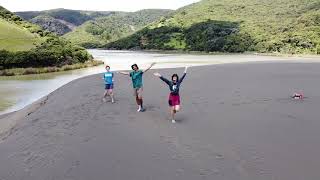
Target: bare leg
104, 95
139, 99
177, 108
110, 93
138, 103
172, 113
141, 102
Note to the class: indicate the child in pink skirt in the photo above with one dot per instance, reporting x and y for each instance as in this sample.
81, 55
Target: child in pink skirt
174, 86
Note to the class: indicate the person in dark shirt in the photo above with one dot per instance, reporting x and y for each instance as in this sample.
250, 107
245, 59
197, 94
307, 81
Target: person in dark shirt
136, 77
174, 97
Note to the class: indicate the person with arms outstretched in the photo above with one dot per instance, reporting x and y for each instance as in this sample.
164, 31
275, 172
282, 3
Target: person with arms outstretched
108, 81
137, 83
174, 97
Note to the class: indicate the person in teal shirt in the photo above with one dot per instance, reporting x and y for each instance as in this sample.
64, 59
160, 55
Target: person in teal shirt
137, 83
108, 82
136, 77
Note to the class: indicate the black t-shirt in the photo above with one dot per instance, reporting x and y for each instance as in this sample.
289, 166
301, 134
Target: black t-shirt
174, 87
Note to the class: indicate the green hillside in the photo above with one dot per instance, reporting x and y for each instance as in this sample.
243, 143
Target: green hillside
285, 26
14, 38
26, 45
106, 29
76, 17
60, 21
16, 34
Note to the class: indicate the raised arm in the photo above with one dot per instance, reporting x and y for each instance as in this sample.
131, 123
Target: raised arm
124, 73
184, 75
152, 64
162, 78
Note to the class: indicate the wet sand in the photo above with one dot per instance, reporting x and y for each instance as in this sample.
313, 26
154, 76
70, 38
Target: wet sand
237, 122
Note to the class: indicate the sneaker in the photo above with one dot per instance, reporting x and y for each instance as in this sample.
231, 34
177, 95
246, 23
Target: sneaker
142, 110
173, 121
104, 100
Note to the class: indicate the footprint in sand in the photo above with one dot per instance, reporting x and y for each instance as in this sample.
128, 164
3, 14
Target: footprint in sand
111, 123
132, 119
179, 172
88, 138
35, 120
205, 172
115, 113
153, 108
109, 117
156, 156
219, 156
70, 170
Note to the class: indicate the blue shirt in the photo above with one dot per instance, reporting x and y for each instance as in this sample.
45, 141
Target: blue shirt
108, 77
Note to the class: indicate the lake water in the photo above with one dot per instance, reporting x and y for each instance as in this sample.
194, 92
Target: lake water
18, 91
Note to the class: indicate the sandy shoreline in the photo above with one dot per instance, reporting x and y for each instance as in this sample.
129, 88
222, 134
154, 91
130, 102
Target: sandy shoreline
118, 60
238, 122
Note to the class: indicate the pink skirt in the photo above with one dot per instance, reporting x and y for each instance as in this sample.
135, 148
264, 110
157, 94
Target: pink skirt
174, 100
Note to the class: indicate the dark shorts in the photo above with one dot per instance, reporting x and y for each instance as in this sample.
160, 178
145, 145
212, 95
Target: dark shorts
174, 100
138, 91
108, 86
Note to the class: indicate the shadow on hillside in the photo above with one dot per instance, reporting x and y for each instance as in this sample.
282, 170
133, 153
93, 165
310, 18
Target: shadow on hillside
219, 36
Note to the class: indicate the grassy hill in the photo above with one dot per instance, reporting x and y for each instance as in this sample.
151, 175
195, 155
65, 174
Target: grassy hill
60, 21
285, 26
14, 38
24, 44
16, 34
106, 29
76, 17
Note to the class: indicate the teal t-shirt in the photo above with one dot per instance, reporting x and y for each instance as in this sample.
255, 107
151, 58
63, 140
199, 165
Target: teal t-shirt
108, 77
136, 77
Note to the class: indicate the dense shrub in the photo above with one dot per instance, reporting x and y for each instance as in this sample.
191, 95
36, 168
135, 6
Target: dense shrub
207, 36
53, 52
71, 16
94, 29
